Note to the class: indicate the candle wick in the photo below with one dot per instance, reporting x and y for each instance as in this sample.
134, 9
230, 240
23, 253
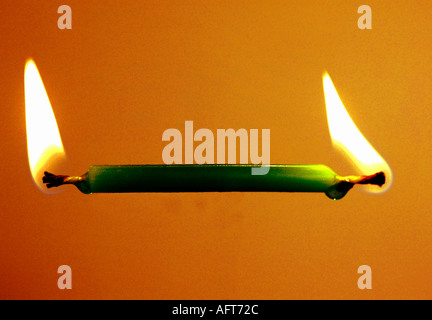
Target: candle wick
53, 180
339, 190
375, 179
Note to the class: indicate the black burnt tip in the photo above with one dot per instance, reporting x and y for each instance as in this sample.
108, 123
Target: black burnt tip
376, 179
53, 180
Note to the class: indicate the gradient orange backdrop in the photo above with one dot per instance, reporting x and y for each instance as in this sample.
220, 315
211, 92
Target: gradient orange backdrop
129, 70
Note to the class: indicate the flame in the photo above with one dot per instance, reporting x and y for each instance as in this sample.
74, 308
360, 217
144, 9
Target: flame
44, 145
350, 140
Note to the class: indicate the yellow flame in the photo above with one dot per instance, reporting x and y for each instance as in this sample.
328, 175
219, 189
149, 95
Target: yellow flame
43, 138
350, 140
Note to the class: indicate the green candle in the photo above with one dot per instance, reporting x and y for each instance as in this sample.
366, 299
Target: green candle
212, 178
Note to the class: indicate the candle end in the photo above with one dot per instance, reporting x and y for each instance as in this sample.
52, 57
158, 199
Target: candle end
339, 190
377, 179
52, 180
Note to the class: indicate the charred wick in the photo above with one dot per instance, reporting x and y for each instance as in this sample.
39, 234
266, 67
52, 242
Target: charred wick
341, 188
376, 179
53, 180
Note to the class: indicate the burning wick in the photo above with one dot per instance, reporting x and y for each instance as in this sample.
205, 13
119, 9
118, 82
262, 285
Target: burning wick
212, 178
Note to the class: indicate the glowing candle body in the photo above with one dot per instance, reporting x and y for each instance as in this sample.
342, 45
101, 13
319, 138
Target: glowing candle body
211, 178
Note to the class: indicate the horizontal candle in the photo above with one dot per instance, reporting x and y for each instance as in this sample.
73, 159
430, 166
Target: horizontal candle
211, 178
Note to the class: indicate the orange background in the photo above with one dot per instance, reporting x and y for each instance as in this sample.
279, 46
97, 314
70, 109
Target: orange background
128, 70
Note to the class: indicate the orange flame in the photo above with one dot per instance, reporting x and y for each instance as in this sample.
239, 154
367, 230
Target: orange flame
44, 144
350, 140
